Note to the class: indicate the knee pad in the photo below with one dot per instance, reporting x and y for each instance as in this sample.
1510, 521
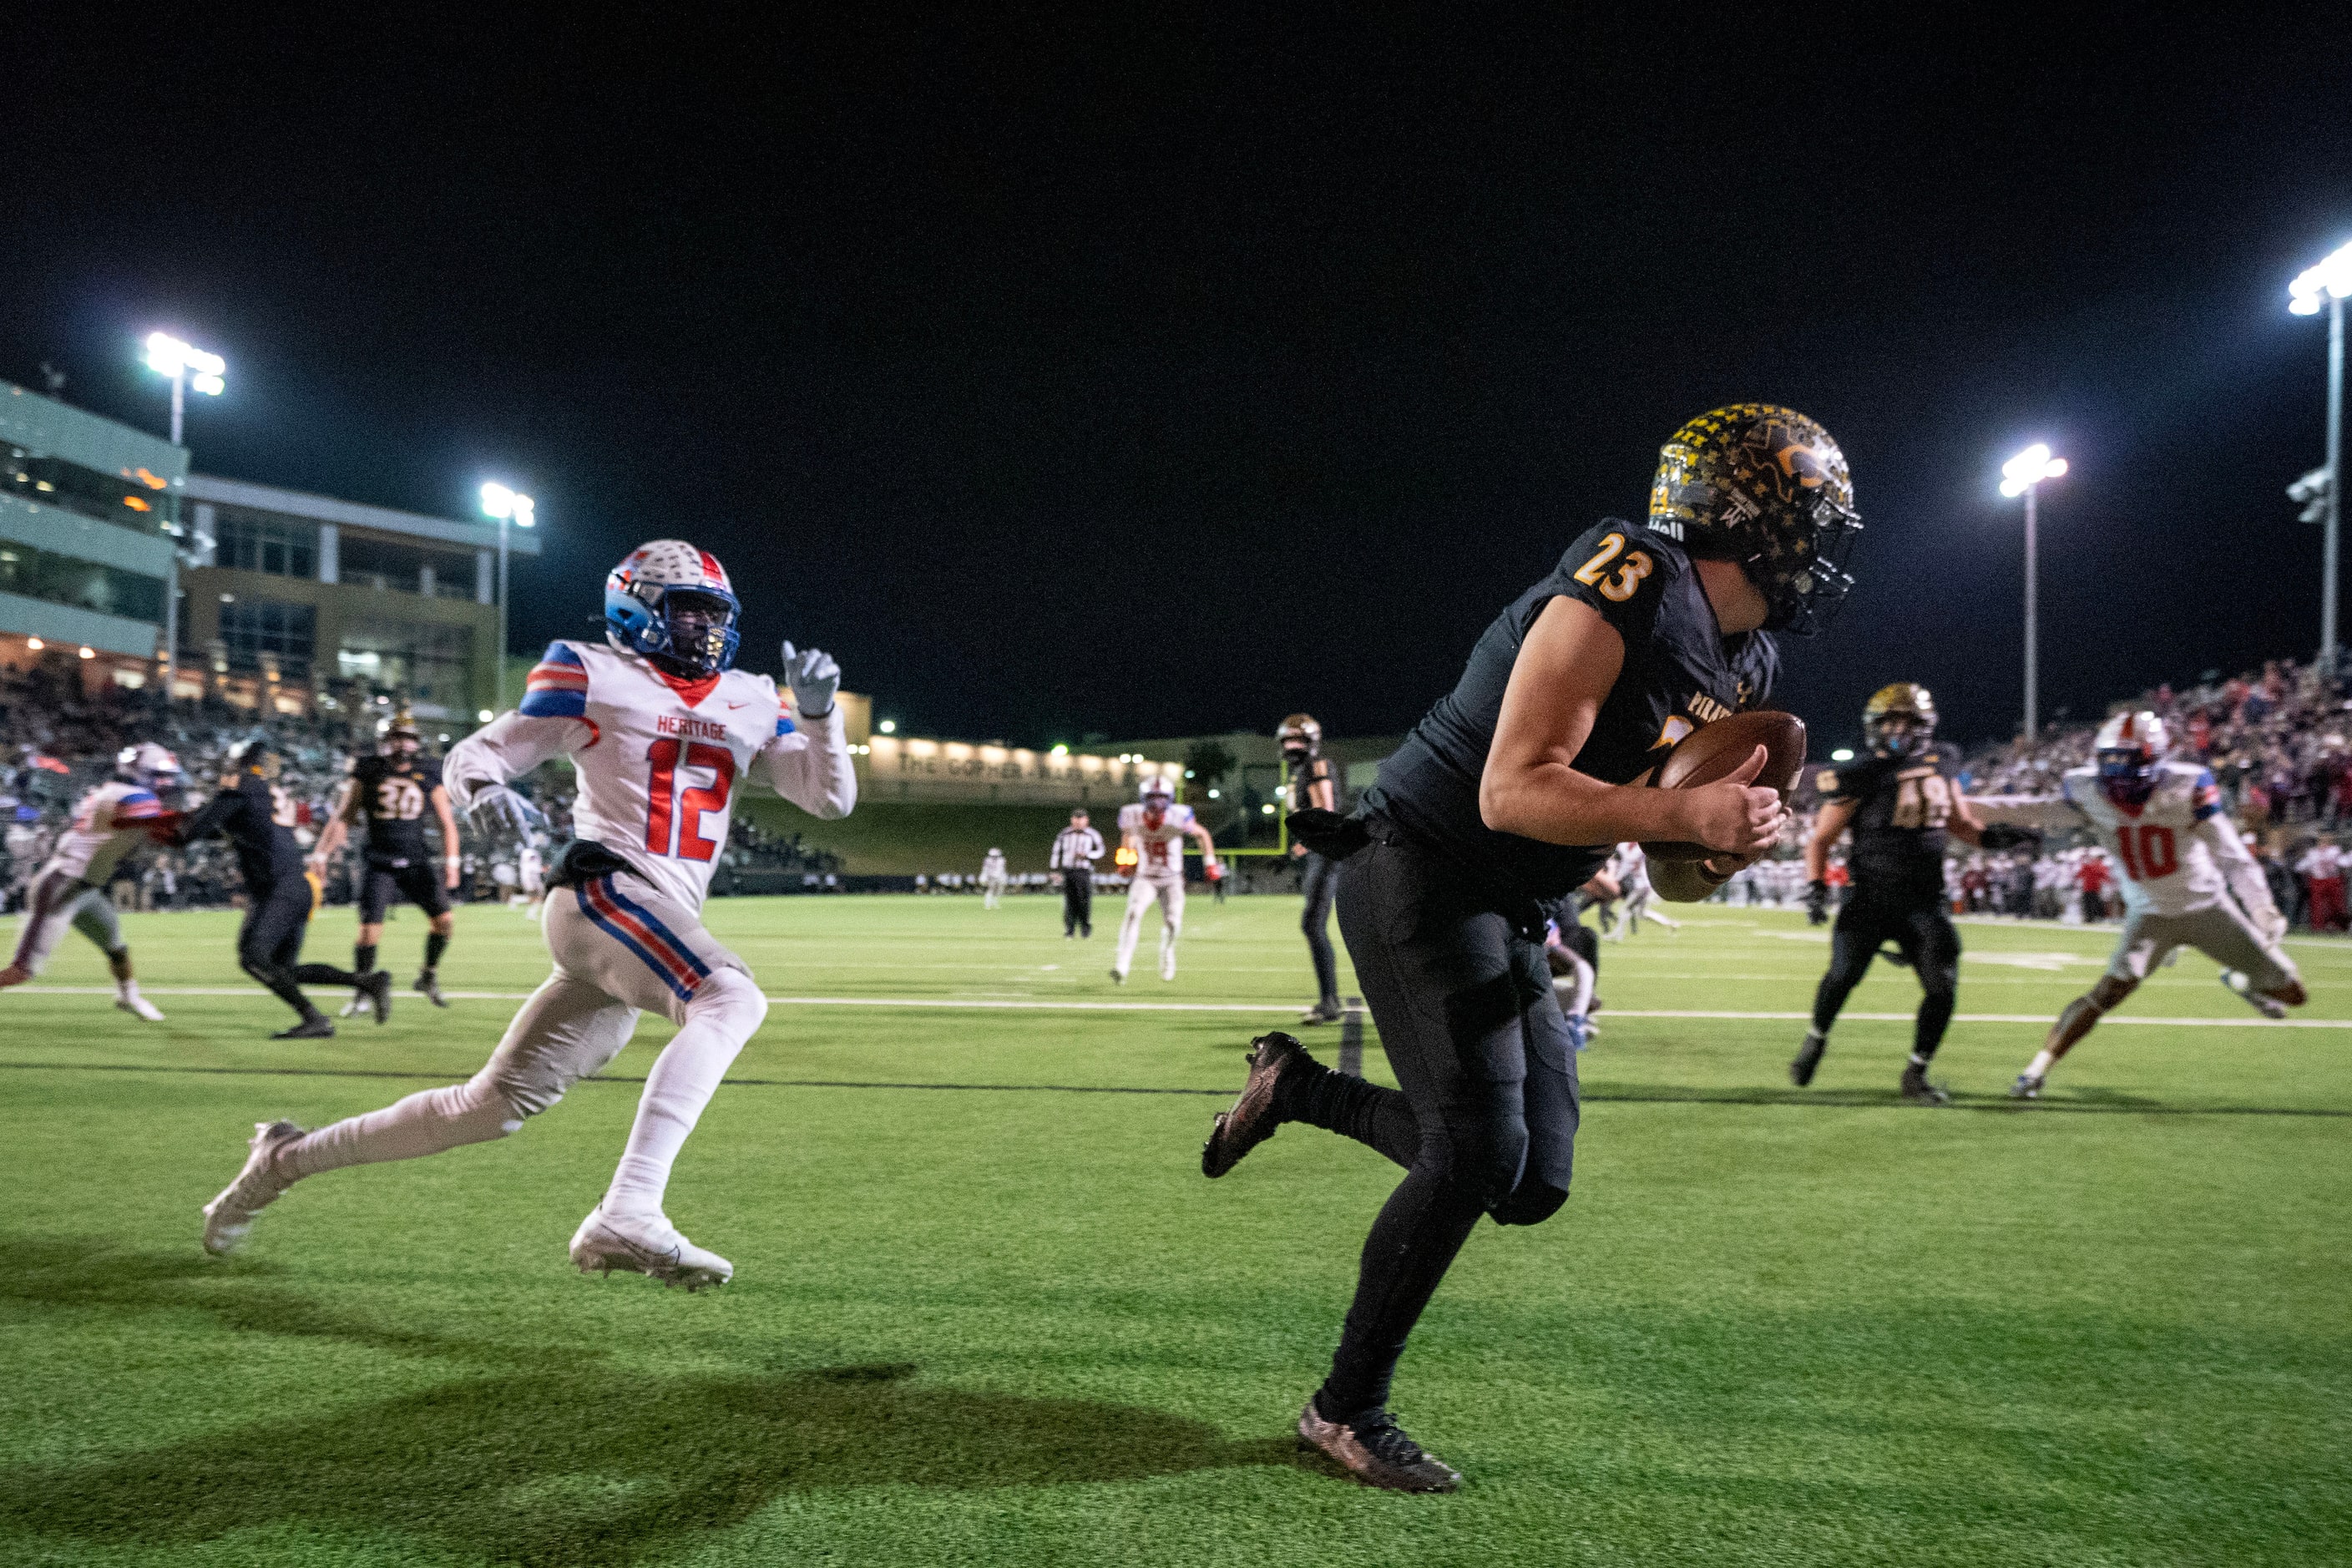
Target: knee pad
730, 1001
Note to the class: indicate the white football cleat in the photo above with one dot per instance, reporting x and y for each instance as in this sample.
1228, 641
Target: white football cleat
228, 1218
1168, 964
139, 1006
647, 1245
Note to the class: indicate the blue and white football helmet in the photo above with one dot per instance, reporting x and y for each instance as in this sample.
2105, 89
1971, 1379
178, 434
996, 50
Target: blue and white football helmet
148, 764
638, 612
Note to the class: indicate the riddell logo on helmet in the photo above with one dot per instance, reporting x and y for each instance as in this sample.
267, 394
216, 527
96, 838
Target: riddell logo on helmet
1671, 527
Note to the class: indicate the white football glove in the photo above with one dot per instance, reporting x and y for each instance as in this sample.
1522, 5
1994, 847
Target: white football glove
495, 806
814, 677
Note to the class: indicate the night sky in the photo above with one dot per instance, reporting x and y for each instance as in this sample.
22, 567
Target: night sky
1159, 376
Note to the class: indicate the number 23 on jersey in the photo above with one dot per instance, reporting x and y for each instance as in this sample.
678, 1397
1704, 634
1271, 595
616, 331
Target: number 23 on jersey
673, 816
1615, 586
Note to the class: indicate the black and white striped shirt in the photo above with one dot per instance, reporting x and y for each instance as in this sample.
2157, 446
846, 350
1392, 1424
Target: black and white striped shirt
1076, 848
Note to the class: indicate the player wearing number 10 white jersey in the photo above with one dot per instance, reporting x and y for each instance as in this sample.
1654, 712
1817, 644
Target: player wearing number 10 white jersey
2182, 861
661, 731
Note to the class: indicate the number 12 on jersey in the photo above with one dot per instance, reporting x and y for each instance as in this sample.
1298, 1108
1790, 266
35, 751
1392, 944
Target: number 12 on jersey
675, 816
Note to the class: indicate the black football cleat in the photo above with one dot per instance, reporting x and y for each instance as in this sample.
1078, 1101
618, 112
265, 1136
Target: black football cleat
378, 985
1252, 1120
318, 1026
1809, 1059
1321, 1013
1918, 1090
1375, 1451
428, 986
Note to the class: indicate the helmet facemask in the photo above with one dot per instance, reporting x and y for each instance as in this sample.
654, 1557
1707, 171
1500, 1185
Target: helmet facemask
2127, 775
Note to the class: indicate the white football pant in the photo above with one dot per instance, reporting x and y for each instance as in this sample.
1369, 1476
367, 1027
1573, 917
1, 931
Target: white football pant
1140, 892
57, 902
620, 948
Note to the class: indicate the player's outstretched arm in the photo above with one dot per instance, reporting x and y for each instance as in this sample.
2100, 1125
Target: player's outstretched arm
2042, 813
1563, 673
810, 766
338, 824
1208, 844
476, 770
1828, 829
2242, 873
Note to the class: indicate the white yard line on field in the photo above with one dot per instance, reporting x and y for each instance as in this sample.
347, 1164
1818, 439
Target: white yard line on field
987, 1004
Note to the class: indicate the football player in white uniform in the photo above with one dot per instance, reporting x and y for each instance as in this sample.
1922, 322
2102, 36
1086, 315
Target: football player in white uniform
1153, 830
2182, 860
993, 878
1631, 868
109, 823
660, 728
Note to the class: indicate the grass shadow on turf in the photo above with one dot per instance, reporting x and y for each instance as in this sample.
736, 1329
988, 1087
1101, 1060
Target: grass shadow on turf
53, 1273
554, 1457
603, 1465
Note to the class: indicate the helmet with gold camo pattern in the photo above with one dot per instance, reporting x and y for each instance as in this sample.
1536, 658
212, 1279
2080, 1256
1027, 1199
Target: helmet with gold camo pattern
1766, 487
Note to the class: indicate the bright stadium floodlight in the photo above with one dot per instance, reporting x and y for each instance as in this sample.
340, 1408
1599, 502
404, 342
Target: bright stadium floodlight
507, 506
2022, 476
2028, 468
2330, 281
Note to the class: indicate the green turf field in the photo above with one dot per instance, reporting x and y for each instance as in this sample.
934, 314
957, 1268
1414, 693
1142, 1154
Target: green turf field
987, 1310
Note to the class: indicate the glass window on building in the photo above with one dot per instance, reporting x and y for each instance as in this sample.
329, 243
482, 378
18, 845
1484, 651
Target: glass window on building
138, 500
425, 662
265, 637
369, 563
85, 584
251, 542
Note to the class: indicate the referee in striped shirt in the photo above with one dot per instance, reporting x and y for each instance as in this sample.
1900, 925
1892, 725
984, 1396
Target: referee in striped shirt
1076, 850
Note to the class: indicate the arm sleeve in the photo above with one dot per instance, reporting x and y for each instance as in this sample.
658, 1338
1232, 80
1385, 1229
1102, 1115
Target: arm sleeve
2044, 811
809, 765
2240, 869
507, 748
211, 818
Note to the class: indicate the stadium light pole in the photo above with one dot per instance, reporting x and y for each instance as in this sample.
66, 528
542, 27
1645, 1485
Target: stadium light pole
2022, 476
2331, 281
506, 506
186, 365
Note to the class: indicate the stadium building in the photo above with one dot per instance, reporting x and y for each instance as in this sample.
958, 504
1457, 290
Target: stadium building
85, 554
293, 598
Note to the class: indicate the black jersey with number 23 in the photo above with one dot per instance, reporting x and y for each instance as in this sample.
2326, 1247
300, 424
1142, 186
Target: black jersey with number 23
1901, 805
395, 804
1680, 672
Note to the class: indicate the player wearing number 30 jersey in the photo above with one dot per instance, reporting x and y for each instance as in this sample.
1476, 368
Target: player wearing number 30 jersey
2182, 861
661, 731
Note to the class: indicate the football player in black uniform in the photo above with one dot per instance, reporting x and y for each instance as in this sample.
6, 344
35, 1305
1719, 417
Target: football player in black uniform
258, 819
390, 793
1311, 784
1900, 802
1505, 799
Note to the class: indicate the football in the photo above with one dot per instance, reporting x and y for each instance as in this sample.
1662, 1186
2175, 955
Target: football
1715, 751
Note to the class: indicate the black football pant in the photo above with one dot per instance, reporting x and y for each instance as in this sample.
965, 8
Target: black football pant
1078, 902
1319, 881
269, 944
1922, 932
1485, 1120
